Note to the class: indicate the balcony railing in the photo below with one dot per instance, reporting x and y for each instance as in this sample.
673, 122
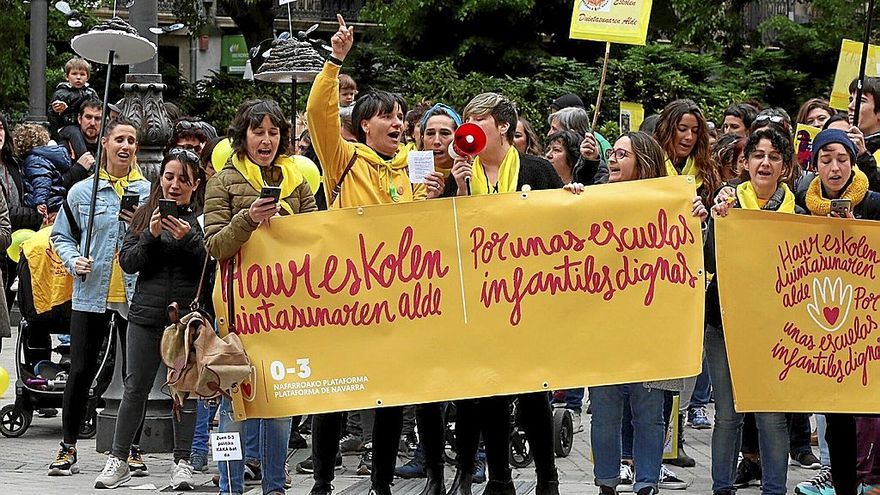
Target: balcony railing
307, 10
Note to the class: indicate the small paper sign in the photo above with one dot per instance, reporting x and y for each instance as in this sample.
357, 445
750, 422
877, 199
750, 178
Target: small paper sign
421, 163
285, 2
226, 446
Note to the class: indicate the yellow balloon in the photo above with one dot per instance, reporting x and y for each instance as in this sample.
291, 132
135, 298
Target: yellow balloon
18, 238
309, 171
4, 380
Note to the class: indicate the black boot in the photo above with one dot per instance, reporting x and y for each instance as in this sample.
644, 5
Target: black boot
548, 485
434, 485
683, 460
461, 484
380, 489
495, 487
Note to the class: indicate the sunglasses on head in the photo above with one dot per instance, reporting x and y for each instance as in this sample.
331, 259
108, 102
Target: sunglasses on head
776, 119
188, 125
185, 154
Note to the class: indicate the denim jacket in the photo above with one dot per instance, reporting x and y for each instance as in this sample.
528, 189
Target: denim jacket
91, 295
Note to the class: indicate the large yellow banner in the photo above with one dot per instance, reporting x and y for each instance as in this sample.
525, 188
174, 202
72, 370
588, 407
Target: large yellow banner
615, 21
470, 297
799, 298
848, 70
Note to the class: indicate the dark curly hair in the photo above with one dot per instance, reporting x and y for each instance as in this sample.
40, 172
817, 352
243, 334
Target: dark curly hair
250, 115
779, 141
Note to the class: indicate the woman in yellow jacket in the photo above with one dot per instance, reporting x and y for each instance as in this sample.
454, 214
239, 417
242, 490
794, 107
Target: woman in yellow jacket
371, 171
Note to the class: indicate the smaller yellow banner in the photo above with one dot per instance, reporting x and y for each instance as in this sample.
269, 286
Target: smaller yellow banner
804, 143
631, 116
801, 311
614, 21
848, 69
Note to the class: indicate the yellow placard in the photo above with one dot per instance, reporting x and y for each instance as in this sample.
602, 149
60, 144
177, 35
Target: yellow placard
470, 297
614, 21
51, 285
803, 140
848, 70
799, 298
631, 116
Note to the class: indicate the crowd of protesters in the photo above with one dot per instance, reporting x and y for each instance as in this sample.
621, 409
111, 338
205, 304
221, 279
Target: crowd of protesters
350, 149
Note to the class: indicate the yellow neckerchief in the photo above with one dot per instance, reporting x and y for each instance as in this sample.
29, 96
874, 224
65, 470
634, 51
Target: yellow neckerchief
292, 177
690, 168
120, 184
819, 205
748, 198
508, 175
116, 292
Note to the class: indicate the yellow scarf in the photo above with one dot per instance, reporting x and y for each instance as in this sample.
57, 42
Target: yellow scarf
819, 205
690, 168
748, 198
251, 172
120, 184
508, 175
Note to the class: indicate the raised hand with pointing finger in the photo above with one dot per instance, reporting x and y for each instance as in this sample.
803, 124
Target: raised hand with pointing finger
342, 41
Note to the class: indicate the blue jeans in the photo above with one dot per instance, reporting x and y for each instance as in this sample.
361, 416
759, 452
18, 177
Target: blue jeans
647, 411
205, 412
273, 435
824, 455
702, 387
726, 437
574, 399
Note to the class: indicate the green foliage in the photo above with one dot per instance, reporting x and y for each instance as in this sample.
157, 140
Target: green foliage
216, 98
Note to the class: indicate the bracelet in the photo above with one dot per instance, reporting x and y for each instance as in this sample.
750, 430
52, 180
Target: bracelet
335, 61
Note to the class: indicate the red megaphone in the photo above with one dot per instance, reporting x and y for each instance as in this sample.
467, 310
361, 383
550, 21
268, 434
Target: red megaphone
469, 140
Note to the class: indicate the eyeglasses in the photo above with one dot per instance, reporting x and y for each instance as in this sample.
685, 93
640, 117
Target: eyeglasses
618, 154
184, 153
759, 156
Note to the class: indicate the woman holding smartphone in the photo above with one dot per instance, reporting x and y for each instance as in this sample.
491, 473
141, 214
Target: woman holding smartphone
100, 288
840, 190
166, 250
239, 199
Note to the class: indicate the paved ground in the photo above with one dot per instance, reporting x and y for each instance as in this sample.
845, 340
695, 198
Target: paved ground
23, 464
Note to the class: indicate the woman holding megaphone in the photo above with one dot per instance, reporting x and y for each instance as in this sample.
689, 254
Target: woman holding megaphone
499, 168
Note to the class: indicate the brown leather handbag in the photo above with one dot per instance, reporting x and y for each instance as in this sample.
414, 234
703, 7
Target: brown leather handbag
200, 363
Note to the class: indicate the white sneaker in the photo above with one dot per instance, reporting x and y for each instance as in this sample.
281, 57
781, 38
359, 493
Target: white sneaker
669, 481
626, 478
576, 423
115, 473
182, 476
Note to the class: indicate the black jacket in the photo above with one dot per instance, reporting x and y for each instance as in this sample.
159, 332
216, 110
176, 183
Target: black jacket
168, 271
588, 172
74, 97
868, 164
868, 209
21, 217
535, 171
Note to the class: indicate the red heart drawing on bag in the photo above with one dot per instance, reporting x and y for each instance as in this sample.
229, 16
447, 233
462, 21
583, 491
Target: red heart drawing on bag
247, 390
831, 315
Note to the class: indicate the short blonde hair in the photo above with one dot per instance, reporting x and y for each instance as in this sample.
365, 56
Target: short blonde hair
29, 136
346, 82
78, 63
501, 109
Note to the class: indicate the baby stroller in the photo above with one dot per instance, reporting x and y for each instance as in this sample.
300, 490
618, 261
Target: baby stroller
40, 380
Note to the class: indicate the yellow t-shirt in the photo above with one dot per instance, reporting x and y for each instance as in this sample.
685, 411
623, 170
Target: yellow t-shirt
116, 294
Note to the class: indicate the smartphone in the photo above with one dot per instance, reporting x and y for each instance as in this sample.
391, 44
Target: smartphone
129, 202
271, 192
841, 206
167, 208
